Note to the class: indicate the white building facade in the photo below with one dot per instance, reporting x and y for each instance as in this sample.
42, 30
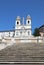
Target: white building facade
21, 29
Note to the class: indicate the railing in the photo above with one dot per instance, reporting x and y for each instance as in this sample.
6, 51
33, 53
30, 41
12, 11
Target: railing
24, 39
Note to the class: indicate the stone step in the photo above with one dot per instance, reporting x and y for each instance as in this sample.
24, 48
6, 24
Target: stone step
23, 52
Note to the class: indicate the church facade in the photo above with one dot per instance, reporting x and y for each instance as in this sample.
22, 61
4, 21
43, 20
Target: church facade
21, 29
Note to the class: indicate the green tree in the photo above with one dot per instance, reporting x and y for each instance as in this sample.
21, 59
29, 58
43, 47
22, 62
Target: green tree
36, 32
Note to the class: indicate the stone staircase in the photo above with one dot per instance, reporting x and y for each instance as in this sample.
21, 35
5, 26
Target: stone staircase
29, 52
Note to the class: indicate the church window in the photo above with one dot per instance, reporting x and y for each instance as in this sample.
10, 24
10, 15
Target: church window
9, 34
28, 21
16, 33
28, 33
17, 22
21, 32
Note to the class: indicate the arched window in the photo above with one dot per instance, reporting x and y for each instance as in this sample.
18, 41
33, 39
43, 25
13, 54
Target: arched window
28, 32
21, 32
17, 22
16, 33
28, 21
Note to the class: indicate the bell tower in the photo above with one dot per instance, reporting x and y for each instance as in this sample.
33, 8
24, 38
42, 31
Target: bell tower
18, 21
17, 26
28, 20
28, 25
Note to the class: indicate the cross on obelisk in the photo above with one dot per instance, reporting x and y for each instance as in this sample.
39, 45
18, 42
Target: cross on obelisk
23, 20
